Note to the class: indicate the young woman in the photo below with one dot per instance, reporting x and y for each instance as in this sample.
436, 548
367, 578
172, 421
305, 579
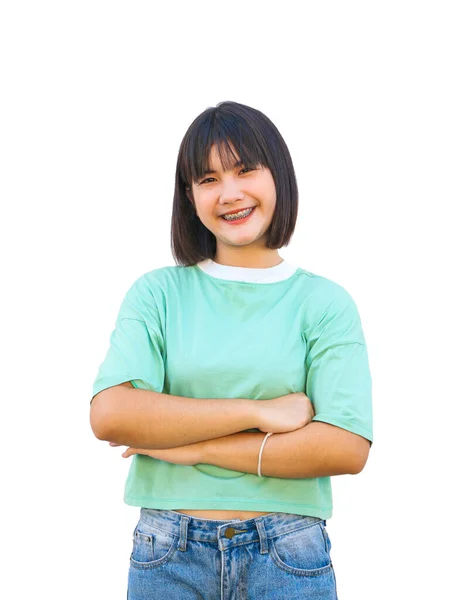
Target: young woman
239, 382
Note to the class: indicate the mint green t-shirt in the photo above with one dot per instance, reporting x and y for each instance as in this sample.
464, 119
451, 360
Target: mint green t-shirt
218, 331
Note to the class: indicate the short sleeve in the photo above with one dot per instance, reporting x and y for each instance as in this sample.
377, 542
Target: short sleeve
136, 346
338, 380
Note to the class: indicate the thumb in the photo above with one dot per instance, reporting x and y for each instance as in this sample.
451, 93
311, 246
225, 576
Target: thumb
129, 452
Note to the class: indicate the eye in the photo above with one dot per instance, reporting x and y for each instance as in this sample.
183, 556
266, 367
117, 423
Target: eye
208, 180
247, 169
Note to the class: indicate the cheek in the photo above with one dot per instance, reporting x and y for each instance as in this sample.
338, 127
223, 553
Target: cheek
268, 190
207, 216
203, 204
270, 199
273, 191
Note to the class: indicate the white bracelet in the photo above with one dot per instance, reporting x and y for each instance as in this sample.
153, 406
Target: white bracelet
261, 452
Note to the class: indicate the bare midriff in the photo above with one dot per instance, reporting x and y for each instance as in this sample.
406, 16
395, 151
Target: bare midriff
222, 515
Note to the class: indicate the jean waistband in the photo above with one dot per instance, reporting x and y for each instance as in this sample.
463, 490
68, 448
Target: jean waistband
225, 532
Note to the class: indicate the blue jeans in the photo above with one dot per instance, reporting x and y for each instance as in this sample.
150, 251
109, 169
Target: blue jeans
278, 556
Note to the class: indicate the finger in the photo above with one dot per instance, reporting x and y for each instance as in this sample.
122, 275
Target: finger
114, 444
129, 452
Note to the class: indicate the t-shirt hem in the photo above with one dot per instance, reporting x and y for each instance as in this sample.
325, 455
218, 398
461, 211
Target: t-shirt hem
106, 382
352, 427
209, 504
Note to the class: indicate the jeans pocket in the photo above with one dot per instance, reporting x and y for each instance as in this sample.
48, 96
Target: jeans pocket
151, 546
303, 551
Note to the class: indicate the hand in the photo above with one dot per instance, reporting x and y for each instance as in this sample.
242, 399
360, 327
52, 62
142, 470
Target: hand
189, 455
285, 413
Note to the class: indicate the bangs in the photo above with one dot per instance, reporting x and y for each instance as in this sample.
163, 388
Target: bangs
234, 140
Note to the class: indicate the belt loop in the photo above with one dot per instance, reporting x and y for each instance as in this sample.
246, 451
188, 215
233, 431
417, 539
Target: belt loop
263, 540
183, 533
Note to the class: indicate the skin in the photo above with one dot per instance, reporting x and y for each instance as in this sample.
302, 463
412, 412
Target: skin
315, 450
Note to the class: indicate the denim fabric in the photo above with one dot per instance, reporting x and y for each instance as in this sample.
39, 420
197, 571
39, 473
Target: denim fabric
278, 556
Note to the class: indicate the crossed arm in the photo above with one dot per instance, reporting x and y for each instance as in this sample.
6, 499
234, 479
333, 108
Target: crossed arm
315, 450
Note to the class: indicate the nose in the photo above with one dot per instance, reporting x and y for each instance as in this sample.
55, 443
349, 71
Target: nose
231, 191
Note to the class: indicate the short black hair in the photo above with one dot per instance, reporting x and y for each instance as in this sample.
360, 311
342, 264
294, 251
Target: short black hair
231, 127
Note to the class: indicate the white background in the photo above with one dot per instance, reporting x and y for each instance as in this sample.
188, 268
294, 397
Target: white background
373, 101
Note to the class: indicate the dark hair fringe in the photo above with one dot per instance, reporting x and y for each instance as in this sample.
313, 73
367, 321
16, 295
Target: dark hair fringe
231, 127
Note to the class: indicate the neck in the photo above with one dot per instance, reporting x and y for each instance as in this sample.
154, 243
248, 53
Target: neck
237, 258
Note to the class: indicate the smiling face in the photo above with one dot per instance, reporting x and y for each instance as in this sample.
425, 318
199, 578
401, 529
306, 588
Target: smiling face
239, 187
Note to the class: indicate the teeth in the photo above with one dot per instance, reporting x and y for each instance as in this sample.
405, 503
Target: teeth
238, 215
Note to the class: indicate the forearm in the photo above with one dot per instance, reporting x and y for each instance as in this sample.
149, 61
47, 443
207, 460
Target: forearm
316, 450
145, 419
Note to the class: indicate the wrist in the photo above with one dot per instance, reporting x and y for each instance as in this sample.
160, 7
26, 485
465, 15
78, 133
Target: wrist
231, 450
256, 411
246, 414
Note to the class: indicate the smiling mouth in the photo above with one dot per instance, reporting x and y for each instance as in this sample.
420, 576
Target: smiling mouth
240, 216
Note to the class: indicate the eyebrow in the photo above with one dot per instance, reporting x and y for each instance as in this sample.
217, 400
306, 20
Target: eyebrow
239, 163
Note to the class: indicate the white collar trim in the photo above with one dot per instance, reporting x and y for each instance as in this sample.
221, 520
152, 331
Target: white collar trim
282, 271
